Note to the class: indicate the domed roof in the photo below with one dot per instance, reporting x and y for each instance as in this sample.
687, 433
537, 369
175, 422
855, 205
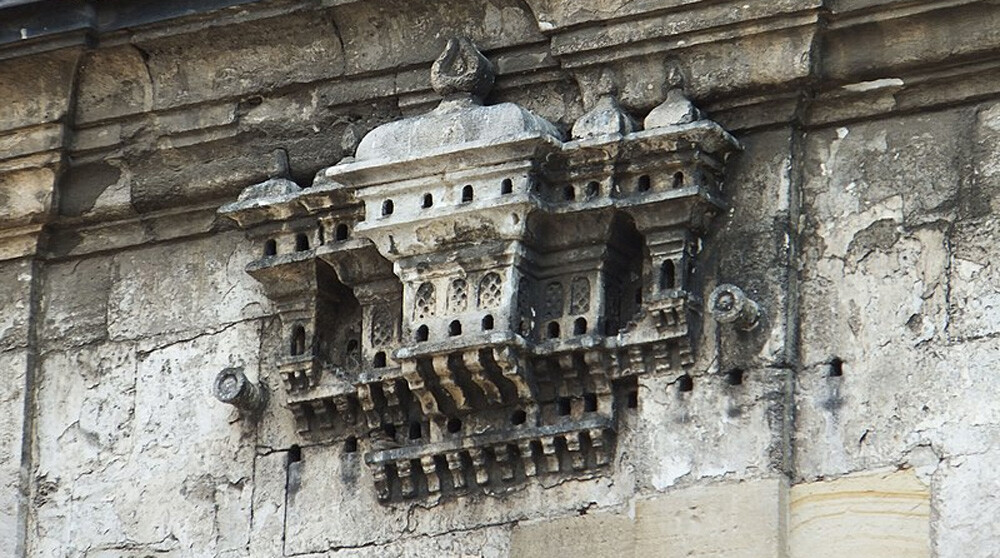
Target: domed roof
463, 76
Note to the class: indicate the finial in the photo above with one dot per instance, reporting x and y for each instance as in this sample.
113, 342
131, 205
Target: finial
461, 68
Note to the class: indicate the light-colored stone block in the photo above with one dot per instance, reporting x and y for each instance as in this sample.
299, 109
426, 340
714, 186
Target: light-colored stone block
870, 515
734, 520
594, 535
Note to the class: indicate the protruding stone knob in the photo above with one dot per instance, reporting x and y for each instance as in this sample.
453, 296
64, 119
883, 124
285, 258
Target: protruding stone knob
730, 305
233, 387
462, 69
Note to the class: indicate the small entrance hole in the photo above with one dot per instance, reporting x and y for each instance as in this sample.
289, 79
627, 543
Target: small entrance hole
506, 187
734, 377
298, 340
387, 208
341, 232
580, 326
454, 425
467, 193
519, 417
301, 242
487, 322
563, 406
678, 179
428, 201
415, 433
685, 383
553, 330
592, 189
643, 184
836, 368
271, 247
379, 360
455, 328
422, 333
589, 402
350, 444
668, 275
569, 193
633, 399
294, 454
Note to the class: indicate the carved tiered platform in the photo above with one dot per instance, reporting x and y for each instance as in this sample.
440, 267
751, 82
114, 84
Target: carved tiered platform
473, 297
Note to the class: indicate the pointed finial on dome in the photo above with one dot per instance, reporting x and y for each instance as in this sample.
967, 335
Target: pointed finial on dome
462, 70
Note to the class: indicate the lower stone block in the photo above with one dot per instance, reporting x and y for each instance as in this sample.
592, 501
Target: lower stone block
735, 520
872, 515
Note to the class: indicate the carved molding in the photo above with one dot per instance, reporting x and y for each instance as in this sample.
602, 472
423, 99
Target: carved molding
474, 297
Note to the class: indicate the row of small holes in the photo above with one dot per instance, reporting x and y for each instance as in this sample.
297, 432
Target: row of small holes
302, 240
579, 328
468, 194
564, 404
454, 328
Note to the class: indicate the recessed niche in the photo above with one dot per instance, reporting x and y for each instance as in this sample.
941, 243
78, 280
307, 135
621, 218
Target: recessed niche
341, 232
387, 208
422, 333
643, 184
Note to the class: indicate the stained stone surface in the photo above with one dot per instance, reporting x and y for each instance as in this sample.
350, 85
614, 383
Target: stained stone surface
860, 212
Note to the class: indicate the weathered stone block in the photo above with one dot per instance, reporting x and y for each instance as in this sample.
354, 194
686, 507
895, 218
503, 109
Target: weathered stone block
114, 82
13, 370
145, 419
15, 303
192, 287
871, 515
594, 535
734, 520
74, 307
26, 195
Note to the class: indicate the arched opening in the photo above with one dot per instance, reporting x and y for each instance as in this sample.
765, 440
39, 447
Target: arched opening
487, 322
467, 193
506, 187
271, 247
301, 242
668, 275
341, 232
455, 328
643, 185
298, 345
422, 333
387, 208
589, 402
593, 189
553, 330
678, 179
321, 234
428, 201
579, 326
569, 193
379, 360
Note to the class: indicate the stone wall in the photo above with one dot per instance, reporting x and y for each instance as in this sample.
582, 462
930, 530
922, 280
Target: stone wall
859, 418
